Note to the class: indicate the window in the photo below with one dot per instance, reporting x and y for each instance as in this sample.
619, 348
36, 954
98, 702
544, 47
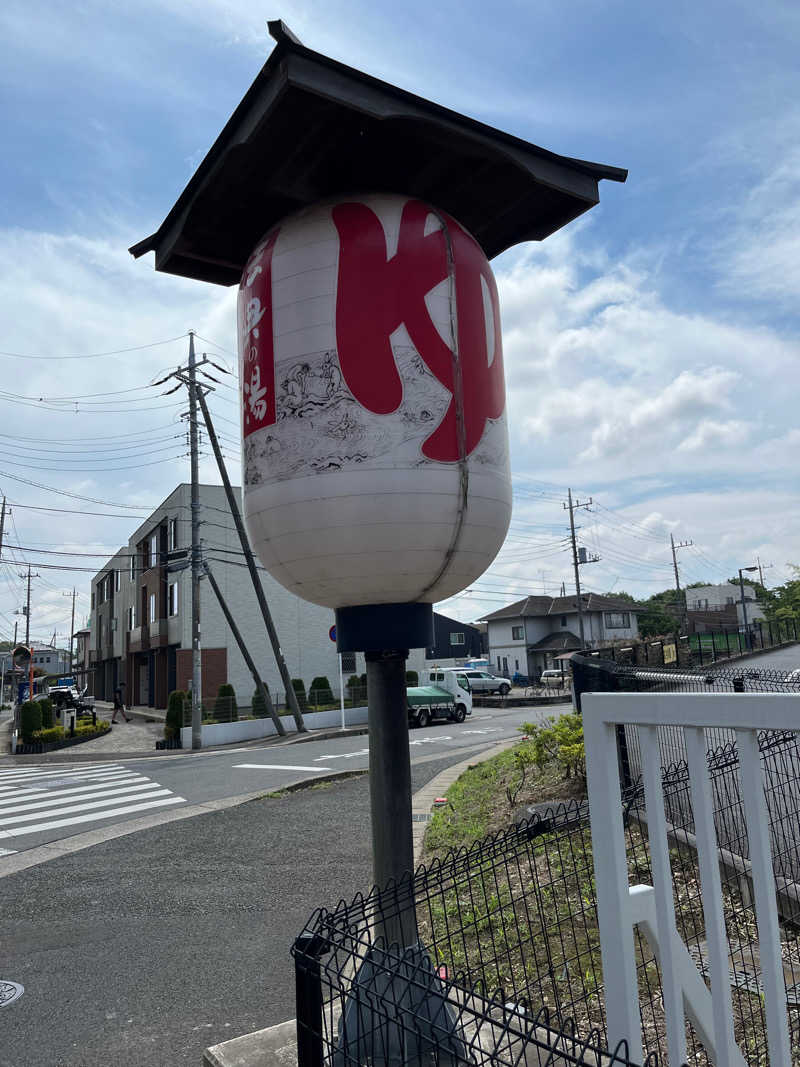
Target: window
133, 566
173, 598
617, 620
729, 600
93, 600
517, 633
348, 662
563, 620
116, 579
152, 607
456, 639
153, 561
498, 663
516, 664
172, 536
131, 619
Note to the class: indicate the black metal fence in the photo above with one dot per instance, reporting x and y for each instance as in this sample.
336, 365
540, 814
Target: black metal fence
507, 967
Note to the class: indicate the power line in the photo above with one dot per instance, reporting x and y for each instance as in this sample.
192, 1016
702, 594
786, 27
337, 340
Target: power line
99, 355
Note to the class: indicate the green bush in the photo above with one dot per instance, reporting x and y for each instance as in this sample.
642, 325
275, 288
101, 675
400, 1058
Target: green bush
103, 726
320, 691
176, 706
300, 692
52, 733
558, 740
48, 719
412, 678
259, 705
225, 709
30, 720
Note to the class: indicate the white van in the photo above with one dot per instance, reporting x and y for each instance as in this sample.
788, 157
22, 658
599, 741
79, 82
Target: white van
455, 681
554, 678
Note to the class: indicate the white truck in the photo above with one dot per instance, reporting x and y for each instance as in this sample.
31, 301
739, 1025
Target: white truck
444, 694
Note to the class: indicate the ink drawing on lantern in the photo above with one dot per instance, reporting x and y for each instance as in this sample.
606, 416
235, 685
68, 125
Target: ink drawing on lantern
334, 376
321, 427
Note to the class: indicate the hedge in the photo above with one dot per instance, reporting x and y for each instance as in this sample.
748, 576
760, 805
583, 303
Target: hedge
30, 719
320, 691
176, 707
225, 709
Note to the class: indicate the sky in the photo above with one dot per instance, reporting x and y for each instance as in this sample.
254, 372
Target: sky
651, 346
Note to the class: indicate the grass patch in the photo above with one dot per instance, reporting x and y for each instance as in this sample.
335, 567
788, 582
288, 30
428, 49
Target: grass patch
485, 797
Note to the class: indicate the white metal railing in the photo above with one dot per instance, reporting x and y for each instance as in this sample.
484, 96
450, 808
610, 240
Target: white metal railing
621, 907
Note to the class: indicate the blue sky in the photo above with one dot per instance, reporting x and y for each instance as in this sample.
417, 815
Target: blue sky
651, 347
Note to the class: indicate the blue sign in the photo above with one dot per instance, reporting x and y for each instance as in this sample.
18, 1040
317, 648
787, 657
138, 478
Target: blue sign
332, 633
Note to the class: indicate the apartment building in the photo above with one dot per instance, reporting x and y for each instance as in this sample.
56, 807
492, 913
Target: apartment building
141, 613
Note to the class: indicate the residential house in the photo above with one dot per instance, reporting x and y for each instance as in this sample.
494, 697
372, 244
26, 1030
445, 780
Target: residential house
454, 640
719, 607
528, 635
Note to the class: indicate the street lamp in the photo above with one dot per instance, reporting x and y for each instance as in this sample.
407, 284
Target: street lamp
744, 603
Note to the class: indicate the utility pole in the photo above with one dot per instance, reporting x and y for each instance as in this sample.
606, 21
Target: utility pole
680, 544
575, 561
761, 566
72, 626
197, 395
28, 577
291, 696
197, 707
2, 524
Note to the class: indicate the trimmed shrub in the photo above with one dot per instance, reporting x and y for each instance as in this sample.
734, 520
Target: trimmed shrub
103, 726
412, 678
320, 691
48, 719
176, 706
50, 734
225, 709
30, 719
259, 706
300, 692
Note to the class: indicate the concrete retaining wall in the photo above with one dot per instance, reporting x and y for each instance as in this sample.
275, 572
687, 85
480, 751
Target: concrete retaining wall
228, 733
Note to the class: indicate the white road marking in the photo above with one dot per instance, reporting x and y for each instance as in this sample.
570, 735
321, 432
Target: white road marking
90, 817
429, 740
154, 792
275, 767
56, 802
8, 852
488, 730
343, 755
92, 785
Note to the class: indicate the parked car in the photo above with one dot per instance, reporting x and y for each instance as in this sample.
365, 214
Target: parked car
554, 678
484, 682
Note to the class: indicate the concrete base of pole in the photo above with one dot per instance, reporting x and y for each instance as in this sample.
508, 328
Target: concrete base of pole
390, 791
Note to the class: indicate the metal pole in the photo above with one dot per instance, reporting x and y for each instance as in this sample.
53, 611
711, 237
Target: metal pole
390, 793
197, 707
744, 609
341, 689
575, 566
28, 614
291, 696
262, 689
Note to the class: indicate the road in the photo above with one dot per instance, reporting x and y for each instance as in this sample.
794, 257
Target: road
143, 950
43, 803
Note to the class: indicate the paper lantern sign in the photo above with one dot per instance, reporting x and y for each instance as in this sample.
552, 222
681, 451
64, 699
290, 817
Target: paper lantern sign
375, 446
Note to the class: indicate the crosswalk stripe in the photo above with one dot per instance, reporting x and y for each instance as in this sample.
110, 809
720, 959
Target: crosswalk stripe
29, 776
49, 768
40, 794
93, 816
36, 785
88, 806
66, 805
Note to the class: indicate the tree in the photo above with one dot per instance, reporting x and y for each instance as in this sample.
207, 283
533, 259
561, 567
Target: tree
225, 707
173, 721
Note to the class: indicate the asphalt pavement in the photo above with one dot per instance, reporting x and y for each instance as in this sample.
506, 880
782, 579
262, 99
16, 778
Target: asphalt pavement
143, 950
48, 802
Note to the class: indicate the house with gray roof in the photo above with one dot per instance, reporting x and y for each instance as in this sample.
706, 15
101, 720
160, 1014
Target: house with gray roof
528, 635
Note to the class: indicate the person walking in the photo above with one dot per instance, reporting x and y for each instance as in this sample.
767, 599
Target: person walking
119, 704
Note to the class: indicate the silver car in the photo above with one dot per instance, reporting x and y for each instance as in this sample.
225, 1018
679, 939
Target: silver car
484, 682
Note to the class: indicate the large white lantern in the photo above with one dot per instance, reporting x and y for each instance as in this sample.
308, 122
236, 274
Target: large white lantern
375, 447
